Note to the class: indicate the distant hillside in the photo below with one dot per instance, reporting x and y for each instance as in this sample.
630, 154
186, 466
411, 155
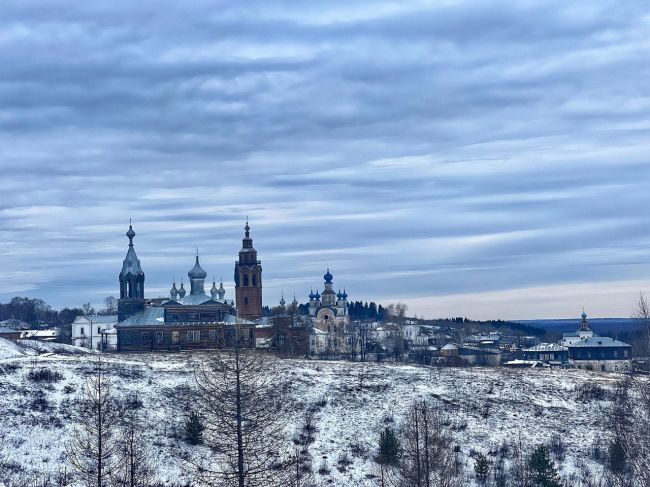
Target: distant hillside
599, 325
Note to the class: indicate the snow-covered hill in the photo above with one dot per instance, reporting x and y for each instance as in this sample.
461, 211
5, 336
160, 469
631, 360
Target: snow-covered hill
487, 407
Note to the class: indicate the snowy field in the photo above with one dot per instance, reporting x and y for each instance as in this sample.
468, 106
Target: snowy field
487, 406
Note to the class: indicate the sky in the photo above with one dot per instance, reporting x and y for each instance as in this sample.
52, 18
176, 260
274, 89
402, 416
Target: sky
468, 158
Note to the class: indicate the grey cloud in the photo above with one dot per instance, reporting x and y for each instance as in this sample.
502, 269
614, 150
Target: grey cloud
417, 149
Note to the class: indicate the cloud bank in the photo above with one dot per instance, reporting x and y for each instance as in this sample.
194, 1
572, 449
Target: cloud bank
432, 153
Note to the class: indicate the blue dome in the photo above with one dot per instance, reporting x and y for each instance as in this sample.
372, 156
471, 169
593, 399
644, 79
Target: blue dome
328, 277
344, 295
311, 294
316, 296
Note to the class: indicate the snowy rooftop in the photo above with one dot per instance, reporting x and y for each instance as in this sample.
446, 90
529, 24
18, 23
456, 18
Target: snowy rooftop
547, 347
599, 342
98, 318
155, 316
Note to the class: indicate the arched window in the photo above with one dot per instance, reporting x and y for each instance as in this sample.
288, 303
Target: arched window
245, 280
130, 289
254, 279
245, 299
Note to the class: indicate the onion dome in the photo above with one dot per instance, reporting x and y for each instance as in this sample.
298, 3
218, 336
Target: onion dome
312, 296
130, 233
294, 303
584, 315
173, 292
282, 301
214, 291
131, 264
339, 295
221, 290
328, 277
181, 291
344, 295
197, 271
317, 296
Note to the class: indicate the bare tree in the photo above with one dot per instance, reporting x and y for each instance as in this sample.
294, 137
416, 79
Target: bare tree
427, 452
88, 309
135, 462
93, 444
110, 306
242, 402
642, 313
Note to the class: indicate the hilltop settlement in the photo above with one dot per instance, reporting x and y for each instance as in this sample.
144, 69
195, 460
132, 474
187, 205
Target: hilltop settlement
327, 326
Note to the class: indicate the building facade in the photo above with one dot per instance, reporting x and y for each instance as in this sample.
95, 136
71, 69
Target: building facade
589, 351
95, 331
328, 313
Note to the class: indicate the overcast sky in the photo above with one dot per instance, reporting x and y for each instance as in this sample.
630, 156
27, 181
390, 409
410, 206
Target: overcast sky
479, 158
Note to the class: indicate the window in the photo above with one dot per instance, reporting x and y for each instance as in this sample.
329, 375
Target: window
281, 340
254, 279
246, 280
99, 330
159, 337
145, 336
212, 335
245, 299
83, 331
194, 336
175, 337
615, 353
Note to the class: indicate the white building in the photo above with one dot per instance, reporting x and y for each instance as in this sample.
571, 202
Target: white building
95, 331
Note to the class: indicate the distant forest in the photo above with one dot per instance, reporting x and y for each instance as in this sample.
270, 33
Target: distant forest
35, 312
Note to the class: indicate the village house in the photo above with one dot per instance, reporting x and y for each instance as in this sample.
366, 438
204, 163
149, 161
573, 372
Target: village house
601, 353
289, 335
552, 354
9, 333
95, 331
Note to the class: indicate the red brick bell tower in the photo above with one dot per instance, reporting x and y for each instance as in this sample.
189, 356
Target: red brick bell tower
248, 280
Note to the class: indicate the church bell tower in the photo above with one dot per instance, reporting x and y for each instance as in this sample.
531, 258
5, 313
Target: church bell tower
131, 283
248, 280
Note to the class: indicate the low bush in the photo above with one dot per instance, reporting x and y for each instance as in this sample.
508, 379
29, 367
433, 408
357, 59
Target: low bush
44, 375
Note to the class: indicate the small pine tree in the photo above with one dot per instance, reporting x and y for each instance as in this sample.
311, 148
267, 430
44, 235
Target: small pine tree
389, 448
194, 429
616, 456
481, 467
542, 469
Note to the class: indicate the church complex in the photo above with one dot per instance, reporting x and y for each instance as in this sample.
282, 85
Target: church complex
198, 320
188, 321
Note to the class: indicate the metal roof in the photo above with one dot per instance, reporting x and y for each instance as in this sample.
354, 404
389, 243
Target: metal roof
99, 318
547, 347
155, 316
598, 342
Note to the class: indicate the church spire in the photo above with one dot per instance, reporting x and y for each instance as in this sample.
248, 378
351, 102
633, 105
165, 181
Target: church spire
131, 282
